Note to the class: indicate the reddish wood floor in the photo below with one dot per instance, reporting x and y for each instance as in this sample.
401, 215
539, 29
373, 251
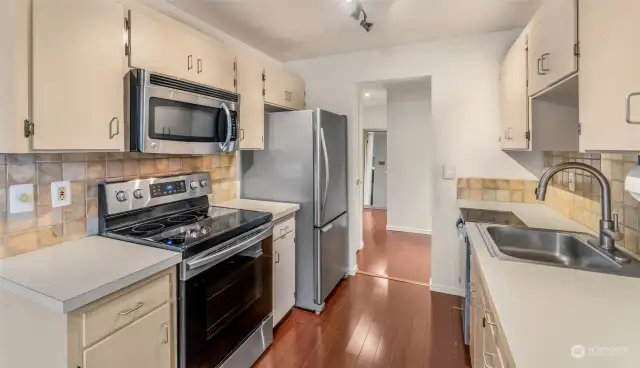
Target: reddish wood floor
373, 322
393, 254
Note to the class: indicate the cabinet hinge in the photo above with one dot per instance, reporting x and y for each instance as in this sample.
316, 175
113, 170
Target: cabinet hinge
29, 129
126, 49
579, 129
234, 66
264, 93
262, 138
576, 49
235, 83
527, 135
264, 77
127, 26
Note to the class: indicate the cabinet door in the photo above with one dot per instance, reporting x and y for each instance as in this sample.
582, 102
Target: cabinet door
609, 73
275, 86
250, 85
285, 276
514, 99
144, 343
477, 319
552, 38
14, 74
78, 69
216, 64
296, 92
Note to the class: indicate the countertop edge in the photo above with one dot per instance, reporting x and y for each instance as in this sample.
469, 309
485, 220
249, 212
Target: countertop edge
285, 213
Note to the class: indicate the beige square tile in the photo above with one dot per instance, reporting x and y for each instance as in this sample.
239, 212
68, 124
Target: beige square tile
232, 172
50, 235
175, 164
517, 196
629, 200
22, 242
78, 191
503, 195
463, 183
92, 188
21, 222
75, 230
115, 156
114, 169
225, 160
44, 195
92, 207
207, 162
626, 167
92, 226
530, 185
617, 191
216, 161
616, 171
3, 176
503, 184
48, 172
20, 159
190, 164
75, 211
162, 165
74, 157
49, 157
475, 194
463, 193
21, 174
96, 170
147, 167
489, 184
489, 195
96, 156
48, 216
475, 183
131, 168
631, 158
530, 197
74, 171
630, 239
220, 173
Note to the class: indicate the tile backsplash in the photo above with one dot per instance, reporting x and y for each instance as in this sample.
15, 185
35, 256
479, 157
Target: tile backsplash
47, 226
500, 190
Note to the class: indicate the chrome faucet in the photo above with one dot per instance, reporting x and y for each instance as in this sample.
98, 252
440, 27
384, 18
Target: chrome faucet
609, 230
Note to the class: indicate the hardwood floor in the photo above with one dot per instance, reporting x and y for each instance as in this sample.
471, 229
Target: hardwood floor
393, 254
373, 322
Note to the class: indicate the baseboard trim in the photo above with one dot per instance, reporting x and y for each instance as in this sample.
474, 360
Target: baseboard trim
446, 289
354, 270
408, 230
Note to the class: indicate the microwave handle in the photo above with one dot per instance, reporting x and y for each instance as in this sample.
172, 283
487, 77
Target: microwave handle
228, 138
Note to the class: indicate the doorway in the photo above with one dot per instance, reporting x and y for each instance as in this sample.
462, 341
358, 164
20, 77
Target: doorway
375, 169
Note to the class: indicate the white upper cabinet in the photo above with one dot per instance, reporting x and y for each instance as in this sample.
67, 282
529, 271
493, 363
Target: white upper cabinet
250, 86
284, 89
514, 97
163, 45
609, 75
14, 74
553, 36
78, 68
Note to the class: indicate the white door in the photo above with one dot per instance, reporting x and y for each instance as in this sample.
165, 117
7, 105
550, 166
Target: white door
285, 276
144, 343
380, 170
78, 69
609, 72
514, 98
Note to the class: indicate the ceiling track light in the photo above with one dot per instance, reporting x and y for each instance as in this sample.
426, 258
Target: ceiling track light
355, 14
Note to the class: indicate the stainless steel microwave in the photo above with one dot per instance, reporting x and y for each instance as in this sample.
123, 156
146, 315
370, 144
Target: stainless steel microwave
172, 116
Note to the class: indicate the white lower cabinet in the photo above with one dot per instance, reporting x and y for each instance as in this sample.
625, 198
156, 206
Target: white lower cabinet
284, 269
145, 343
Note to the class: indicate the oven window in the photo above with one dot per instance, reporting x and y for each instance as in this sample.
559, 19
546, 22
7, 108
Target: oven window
182, 121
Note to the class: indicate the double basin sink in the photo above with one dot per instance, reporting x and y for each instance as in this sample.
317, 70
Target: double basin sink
556, 248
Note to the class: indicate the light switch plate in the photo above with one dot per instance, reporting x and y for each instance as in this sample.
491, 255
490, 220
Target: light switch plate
21, 198
60, 194
448, 172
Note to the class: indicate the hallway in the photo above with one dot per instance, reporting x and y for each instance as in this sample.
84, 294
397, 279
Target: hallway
391, 254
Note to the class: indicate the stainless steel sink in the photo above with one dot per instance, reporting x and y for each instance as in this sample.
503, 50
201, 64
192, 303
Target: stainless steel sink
556, 248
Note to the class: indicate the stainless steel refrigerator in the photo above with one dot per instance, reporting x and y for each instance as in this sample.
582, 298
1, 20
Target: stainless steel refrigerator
305, 161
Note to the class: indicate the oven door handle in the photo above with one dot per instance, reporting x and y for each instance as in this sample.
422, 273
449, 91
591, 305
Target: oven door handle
231, 250
229, 126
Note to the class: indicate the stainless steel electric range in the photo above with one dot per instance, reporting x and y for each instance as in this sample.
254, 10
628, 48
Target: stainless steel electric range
225, 287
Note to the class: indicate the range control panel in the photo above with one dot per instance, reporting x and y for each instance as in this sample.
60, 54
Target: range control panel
165, 189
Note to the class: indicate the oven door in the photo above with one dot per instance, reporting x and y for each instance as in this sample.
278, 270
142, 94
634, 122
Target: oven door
222, 305
178, 120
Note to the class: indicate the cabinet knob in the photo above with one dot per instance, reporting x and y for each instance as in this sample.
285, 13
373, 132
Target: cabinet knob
189, 62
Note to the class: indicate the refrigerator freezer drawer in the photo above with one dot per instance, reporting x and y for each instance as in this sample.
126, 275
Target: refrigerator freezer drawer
332, 251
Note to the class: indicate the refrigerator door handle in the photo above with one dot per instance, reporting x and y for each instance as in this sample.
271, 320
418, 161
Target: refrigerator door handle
326, 169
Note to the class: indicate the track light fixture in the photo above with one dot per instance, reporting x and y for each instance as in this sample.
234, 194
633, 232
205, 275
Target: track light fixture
355, 14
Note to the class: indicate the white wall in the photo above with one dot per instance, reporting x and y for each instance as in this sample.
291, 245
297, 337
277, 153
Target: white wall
410, 187
374, 117
466, 124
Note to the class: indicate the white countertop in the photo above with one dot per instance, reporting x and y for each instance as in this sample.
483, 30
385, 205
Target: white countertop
70, 275
278, 209
544, 311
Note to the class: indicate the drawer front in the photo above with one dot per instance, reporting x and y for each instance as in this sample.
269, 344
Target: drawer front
119, 312
284, 227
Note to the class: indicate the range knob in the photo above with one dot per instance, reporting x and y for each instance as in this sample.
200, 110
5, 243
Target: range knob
138, 193
194, 184
122, 196
203, 183
193, 233
204, 230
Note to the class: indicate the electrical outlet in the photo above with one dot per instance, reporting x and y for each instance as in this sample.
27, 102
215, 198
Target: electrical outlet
572, 181
60, 194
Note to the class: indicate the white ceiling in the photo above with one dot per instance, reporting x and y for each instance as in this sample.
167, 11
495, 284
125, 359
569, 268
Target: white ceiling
297, 29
